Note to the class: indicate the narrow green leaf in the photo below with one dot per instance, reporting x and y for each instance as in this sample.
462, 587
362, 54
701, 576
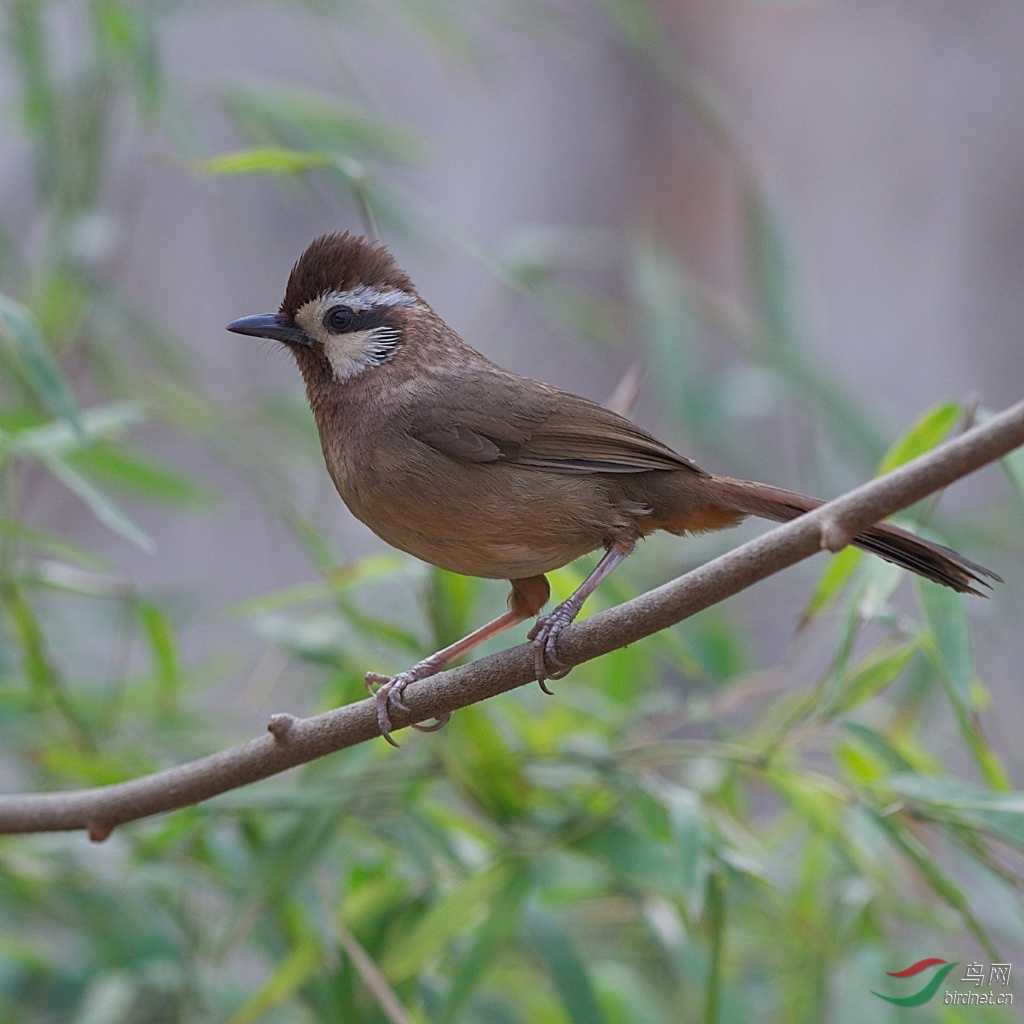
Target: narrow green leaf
28, 42
28, 635
481, 764
159, 633
101, 506
643, 862
924, 434
143, 476
449, 914
947, 799
949, 640
874, 672
264, 160
367, 571
716, 925
818, 807
690, 831
298, 118
490, 938
877, 744
837, 573
924, 861
987, 760
686, 387
772, 271
556, 951
18, 327
291, 973
284, 859
51, 544
59, 438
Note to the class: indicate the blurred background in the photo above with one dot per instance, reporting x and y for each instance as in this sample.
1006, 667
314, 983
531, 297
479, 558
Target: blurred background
801, 225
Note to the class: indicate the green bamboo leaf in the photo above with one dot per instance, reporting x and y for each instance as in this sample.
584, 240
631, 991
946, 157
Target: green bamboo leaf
488, 942
31, 641
264, 160
101, 506
946, 799
949, 640
74, 580
818, 807
686, 386
926, 432
874, 672
285, 858
28, 43
690, 831
51, 544
836, 575
368, 571
556, 951
780, 338
773, 272
924, 861
891, 759
290, 974
18, 327
641, 861
143, 476
159, 632
426, 940
58, 438
481, 764
302, 119
987, 760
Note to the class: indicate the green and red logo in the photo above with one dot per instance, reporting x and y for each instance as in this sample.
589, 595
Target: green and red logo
921, 997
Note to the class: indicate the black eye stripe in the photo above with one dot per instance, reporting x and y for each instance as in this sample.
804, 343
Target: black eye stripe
343, 320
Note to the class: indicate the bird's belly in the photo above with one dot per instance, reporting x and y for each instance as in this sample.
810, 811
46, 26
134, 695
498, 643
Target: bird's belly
491, 560
523, 525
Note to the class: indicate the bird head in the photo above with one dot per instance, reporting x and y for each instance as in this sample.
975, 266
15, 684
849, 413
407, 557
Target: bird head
345, 306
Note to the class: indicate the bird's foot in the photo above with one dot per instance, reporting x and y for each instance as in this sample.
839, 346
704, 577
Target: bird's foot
388, 690
544, 636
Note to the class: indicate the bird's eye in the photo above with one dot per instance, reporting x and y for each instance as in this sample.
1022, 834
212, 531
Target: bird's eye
339, 319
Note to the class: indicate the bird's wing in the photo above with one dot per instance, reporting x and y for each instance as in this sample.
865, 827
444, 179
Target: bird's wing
499, 417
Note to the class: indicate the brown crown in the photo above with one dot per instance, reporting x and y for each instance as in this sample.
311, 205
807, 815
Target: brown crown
337, 263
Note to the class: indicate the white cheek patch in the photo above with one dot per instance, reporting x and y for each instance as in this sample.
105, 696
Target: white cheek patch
355, 351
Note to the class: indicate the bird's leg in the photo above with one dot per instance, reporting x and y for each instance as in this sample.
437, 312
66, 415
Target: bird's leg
547, 627
390, 688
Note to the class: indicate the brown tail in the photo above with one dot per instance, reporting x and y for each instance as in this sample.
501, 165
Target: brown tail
932, 561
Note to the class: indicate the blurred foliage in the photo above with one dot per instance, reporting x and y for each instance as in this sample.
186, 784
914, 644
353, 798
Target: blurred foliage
680, 835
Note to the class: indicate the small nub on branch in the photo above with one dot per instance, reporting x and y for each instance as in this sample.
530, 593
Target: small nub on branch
98, 831
280, 725
833, 537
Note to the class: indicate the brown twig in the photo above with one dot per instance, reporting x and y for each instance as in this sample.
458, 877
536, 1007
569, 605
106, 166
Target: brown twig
373, 977
292, 741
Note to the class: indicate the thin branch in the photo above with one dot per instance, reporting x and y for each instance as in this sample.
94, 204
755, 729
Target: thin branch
292, 741
373, 977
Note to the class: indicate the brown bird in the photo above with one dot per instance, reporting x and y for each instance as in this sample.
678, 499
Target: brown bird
482, 472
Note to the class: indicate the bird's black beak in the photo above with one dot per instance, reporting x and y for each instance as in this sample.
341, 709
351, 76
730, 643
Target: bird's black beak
271, 325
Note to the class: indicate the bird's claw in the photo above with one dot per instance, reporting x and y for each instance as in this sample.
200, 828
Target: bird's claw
388, 690
544, 636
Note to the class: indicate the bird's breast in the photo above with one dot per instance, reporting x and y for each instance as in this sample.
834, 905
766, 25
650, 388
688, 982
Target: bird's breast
494, 520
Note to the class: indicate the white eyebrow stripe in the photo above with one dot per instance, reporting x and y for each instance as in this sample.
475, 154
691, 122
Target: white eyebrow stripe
365, 296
